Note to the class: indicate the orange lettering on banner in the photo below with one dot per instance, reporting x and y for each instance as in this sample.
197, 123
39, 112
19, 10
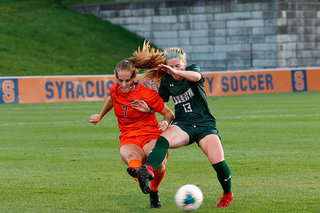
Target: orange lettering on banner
299, 80
7, 88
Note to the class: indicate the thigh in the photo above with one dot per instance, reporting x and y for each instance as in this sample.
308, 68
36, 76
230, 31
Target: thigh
131, 151
211, 146
139, 137
148, 146
176, 137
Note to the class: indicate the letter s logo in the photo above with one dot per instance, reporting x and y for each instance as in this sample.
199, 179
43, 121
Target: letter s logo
299, 82
9, 91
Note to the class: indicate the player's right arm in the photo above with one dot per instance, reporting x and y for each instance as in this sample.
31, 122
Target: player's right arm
190, 76
168, 115
98, 117
167, 118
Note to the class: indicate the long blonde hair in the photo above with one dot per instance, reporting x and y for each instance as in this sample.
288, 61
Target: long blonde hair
147, 58
156, 74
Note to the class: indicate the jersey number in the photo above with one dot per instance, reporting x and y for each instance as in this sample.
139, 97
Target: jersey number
125, 110
187, 107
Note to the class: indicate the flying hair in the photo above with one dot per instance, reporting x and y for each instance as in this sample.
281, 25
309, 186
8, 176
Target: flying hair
156, 74
146, 58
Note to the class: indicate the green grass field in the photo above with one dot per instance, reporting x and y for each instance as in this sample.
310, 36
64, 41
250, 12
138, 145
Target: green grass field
53, 160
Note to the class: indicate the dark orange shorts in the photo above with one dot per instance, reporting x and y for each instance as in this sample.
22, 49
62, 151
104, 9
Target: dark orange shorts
139, 137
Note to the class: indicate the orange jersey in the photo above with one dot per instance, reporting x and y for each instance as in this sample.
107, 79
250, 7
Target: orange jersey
132, 119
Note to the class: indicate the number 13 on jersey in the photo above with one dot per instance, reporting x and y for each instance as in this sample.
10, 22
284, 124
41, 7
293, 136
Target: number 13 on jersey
187, 107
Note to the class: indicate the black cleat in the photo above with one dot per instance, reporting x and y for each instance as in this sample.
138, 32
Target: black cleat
133, 171
143, 177
155, 201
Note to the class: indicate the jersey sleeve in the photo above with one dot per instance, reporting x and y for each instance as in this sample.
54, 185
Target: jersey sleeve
164, 92
155, 101
195, 68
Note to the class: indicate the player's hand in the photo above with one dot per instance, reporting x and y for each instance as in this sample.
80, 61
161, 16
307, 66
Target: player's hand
163, 125
167, 69
95, 119
171, 71
140, 105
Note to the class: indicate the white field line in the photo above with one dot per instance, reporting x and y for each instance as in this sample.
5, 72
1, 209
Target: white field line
41, 123
53, 122
269, 116
220, 118
46, 107
284, 110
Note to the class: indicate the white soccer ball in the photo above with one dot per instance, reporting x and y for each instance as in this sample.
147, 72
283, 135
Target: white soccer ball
188, 198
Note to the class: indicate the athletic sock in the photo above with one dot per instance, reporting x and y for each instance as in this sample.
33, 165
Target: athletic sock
135, 163
158, 153
158, 177
224, 175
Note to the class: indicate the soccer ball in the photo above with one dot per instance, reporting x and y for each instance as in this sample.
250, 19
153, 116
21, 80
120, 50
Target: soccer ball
188, 198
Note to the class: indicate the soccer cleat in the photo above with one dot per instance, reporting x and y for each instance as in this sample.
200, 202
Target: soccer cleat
133, 171
155, 201
225, 200
144, 176
150, 170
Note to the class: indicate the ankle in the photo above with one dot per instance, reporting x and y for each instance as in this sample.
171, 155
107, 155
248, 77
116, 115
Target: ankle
230, 195
150, 169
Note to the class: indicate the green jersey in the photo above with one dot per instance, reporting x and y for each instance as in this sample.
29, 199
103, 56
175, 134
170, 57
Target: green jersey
190, 99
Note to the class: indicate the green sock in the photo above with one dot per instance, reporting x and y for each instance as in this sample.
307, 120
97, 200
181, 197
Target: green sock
158, 153
224, 175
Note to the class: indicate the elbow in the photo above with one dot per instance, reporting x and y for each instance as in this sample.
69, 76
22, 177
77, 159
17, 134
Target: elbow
198, 77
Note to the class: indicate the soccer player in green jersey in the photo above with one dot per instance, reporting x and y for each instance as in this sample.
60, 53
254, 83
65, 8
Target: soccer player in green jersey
193, 120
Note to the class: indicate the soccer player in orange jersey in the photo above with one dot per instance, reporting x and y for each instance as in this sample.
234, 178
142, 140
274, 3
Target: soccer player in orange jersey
139, 130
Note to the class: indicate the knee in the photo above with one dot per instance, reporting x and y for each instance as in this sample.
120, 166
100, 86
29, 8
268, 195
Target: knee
161, 167
134, 155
